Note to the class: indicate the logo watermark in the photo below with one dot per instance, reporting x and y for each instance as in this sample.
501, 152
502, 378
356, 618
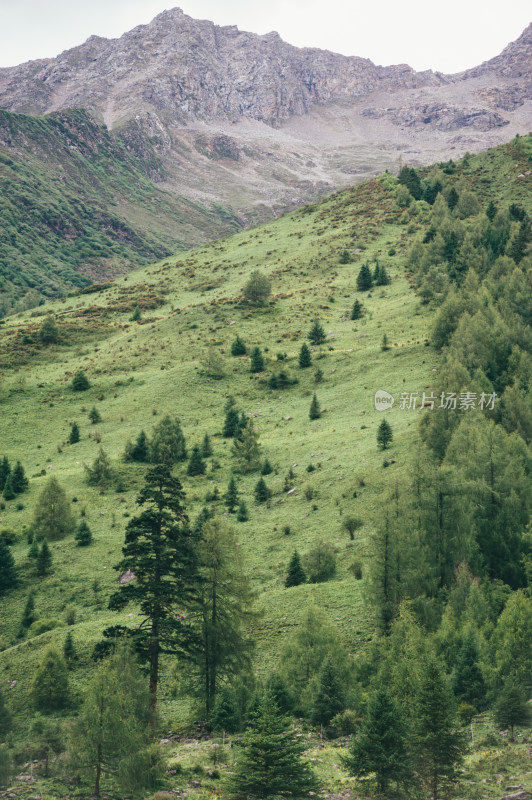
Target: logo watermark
452, 401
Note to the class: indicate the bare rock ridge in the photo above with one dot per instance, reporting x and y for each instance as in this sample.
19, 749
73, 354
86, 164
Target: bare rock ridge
254, 125
190, 68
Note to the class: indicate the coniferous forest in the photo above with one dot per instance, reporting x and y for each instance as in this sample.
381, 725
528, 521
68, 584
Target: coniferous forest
225, 572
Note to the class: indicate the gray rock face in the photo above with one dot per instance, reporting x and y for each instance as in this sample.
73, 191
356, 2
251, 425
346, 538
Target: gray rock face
189, 68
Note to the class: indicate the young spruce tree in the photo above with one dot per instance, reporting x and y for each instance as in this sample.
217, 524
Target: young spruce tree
231, 496
272, 761
380, 747
384, 434
305, 359
18, 479
196, 465
316, 334
314, 411
296, 573
74, 434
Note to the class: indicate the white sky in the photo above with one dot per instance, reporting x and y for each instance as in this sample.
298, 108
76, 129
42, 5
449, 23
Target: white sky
448, 36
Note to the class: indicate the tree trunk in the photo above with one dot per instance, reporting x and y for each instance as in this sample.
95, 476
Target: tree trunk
154, 672
98, 772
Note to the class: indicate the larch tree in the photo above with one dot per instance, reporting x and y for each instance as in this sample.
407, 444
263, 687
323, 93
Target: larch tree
113, 721
439, 742
52, 517
225, 609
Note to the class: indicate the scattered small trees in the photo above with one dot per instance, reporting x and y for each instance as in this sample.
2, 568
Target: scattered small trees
69, 650
384, 434
364, 279
296, 573
257, 289
232, 419
74, 434
316, 335
5, 471
138, 451
266, 468
9, 492
80, 382
305, 359
50, 690
345, 257
52, 517
314, 411
206, 446
212, 364
28, 615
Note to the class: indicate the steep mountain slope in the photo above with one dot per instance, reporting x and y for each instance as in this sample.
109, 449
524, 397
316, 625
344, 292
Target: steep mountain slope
140, 370
251, 123
77, 206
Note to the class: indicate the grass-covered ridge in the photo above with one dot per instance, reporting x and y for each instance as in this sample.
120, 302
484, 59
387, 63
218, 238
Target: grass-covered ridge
140, 370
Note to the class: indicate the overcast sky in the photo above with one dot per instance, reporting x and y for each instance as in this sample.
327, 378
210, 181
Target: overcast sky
448, 36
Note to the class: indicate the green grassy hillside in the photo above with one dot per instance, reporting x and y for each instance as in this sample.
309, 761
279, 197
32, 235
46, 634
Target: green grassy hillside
77, 205
141, 370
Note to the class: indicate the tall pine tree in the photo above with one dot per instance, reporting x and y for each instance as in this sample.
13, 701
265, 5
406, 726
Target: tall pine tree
160, 549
